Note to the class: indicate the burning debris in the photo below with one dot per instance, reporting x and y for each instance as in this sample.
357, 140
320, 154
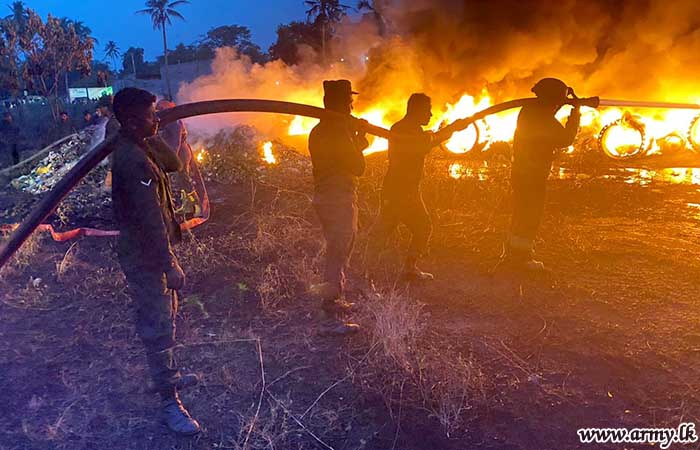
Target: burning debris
268, 156
201, 156
425, 46
623, 138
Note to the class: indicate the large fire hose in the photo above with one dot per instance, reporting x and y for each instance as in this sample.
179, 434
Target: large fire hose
49, 203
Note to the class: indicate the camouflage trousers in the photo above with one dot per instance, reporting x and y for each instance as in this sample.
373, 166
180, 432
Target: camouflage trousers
156, 309
336, 207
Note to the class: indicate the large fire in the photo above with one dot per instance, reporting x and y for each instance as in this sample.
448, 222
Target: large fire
622, 133
268, 155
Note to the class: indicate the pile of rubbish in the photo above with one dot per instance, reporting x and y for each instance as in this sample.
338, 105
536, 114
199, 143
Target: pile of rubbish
227, 158
59, 160
89, 204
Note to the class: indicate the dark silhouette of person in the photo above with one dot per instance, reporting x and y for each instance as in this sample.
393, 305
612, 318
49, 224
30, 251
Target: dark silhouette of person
538, 137
87, 119
101, 78
336, 146
145, 217
10, 137
97, 118
402, 199
64, 126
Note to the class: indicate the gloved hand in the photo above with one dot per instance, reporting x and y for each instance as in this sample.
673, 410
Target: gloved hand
576, 102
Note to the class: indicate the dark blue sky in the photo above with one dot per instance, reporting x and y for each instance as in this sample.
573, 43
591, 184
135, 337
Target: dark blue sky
115, 20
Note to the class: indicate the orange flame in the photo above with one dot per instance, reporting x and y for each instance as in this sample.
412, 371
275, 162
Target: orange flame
661, 129
268, 156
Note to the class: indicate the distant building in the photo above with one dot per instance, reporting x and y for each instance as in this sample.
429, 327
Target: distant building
186, 72
154, 85
179, 73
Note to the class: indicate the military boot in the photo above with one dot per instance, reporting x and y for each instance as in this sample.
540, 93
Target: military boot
411, 272
533, 265
513, 256
336, 327
519, 252
415, 274
337, 306
177, 418
185, 381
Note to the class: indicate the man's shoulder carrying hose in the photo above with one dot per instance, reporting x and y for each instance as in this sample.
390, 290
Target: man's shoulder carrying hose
91, 159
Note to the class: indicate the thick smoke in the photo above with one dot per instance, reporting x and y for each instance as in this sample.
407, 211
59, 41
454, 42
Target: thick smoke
637, 49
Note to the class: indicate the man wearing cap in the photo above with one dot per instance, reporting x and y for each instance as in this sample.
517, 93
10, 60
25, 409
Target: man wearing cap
538, 137
336, 146
143, 211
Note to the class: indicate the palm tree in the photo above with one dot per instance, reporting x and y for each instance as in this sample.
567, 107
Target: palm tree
161, 11
112, 52
19, 14
81, 30
374, 7
325, 12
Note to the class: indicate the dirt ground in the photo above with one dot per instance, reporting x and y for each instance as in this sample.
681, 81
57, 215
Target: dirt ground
610, 338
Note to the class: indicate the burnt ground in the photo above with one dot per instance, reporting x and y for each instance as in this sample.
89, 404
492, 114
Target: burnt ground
610, 338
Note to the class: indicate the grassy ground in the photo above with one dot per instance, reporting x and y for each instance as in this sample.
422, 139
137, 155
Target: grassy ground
469, 361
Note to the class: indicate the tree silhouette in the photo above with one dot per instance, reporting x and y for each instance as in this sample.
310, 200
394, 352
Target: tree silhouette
374, 8
19, 15
112, 52
326, 13
161, 12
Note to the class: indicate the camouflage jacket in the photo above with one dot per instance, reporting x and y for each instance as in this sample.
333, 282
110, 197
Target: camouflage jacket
142, 202
336, 153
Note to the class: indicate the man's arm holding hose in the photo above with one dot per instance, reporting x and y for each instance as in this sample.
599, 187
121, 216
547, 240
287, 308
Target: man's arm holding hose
446, 133
435, 138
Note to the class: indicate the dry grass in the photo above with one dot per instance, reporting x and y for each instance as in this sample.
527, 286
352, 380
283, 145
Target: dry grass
67, 261
23, 257
276, 245
412, 369
271, 288
452, 387
396, 324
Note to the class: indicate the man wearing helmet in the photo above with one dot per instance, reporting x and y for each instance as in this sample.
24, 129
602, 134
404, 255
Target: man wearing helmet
538, 137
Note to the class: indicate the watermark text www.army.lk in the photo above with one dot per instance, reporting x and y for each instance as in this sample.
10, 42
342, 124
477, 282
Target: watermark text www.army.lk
664, 437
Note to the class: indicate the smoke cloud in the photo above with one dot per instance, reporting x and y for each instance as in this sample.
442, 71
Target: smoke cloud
637, 49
